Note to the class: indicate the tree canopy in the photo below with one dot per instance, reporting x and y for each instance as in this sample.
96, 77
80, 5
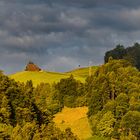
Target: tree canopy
132, 54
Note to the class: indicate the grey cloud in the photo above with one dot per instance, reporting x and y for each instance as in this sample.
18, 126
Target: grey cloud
60, 34
81, 3
84, 3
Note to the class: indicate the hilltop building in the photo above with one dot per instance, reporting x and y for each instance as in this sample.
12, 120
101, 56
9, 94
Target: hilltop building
32, 67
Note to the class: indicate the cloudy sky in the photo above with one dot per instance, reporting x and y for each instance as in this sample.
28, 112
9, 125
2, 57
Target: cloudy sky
58, 35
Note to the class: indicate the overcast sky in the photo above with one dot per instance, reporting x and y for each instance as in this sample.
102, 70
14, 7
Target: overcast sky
59, 35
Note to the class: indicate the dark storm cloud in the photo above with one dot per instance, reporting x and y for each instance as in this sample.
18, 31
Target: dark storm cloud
83, 3
61, 34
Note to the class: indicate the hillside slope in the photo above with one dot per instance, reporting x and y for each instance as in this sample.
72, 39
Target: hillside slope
83, 72
76, 119
38, 77
51, 77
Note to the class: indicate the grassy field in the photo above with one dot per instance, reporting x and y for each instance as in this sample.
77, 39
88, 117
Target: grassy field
83, 72
51, 77
38, 77
76, 119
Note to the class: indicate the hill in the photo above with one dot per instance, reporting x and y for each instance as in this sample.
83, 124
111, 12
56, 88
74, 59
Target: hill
50, 77
83, 72
38, 77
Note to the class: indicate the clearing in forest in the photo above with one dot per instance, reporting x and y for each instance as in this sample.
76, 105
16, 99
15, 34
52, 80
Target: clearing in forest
76, 119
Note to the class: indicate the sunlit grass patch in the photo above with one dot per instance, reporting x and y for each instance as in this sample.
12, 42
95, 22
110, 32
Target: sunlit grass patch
76, 119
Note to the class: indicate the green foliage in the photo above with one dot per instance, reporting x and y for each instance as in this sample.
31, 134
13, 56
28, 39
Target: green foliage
112, 95
5, 110
129, 137
25, 116
105, 126
70, 90
95, 103
114, 100
131, 121
132, 54
118, 53
5, 131
122, 105
26, 132
98, 138
110, 106
46, 98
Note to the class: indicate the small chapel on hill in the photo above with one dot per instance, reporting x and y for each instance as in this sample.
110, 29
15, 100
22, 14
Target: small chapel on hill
32, 67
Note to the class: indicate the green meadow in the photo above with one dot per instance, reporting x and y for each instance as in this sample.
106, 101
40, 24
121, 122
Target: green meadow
51, 77
83, 72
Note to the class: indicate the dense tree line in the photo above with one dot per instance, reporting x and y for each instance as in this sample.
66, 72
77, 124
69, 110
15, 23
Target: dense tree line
113, 94
71, 92
27, 112
132, 54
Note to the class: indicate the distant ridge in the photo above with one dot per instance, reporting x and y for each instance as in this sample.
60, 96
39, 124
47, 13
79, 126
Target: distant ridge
32, 67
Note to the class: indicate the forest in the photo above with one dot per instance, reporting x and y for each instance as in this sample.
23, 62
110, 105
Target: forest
112, 95
132, 54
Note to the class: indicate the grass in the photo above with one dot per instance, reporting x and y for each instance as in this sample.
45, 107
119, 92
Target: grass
76, 119
83, 72
51, 77
38, 77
